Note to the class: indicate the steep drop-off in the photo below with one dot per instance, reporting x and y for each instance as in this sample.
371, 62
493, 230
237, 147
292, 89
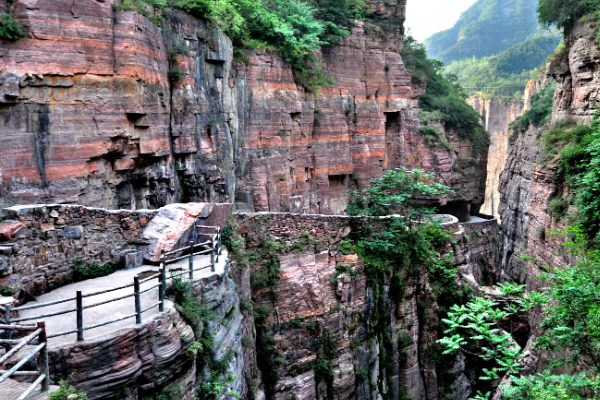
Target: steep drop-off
103, 108
497, 115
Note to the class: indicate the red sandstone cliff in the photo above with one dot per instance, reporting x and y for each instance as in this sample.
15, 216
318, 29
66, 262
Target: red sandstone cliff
90, 116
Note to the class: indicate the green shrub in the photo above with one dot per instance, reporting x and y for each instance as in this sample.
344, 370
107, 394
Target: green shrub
539, 114
7, 290
434, 137
171, 392
347, 247
564, 13
11, 29
175, 74
444, 96
65, 391
83, 271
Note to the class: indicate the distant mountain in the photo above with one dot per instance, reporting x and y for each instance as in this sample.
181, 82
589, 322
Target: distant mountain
505, 74
487, 28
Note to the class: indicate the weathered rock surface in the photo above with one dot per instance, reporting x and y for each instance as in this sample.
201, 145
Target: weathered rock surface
324, 313
90, 116
173, 226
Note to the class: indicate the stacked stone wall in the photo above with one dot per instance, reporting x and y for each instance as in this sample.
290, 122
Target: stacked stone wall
40, 244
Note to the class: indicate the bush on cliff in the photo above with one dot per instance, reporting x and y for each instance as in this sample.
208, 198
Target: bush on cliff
564, 13
294, 28
569, 304
444, 95
11, 29
538, 114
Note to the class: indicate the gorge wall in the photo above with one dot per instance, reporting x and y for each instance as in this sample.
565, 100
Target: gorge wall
327, 330
527, 186
497, 115
103, 108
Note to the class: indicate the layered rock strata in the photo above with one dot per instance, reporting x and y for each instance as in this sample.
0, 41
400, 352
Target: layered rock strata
103, 108
323, 330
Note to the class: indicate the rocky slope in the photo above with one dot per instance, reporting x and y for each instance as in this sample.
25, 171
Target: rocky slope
103, 108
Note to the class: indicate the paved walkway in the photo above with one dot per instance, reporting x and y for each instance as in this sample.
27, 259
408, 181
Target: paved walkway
474, 219
113, 310
11, 390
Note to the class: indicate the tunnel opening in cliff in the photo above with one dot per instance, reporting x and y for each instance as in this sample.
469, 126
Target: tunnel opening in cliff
393, 129
463, 210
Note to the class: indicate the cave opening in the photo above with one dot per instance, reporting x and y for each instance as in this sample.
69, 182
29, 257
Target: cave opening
393, 128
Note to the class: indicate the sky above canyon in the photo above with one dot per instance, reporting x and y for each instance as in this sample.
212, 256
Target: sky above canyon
426, 17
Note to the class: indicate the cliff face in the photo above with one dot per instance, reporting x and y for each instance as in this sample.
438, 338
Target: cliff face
526, 186
325, 331
497, 116
103, 108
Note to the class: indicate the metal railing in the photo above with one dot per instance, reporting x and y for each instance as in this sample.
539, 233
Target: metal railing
40, 350
211, 246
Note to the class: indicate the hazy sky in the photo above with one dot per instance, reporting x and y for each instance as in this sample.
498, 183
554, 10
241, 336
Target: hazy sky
426, 17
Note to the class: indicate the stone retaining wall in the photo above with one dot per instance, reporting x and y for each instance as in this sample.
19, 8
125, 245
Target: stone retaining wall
40, 244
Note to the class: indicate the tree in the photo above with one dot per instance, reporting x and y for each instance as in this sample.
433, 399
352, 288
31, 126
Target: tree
564, 13
571, 304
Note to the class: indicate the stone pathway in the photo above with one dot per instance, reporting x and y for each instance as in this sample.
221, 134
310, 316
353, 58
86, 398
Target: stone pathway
113, 310
475, 219
11, 390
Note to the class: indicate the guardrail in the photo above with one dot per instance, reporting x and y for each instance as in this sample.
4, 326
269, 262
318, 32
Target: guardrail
40, 350
194, 249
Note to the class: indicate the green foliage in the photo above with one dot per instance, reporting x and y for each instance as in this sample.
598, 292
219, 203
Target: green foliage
347, 247
571, 322
488, 27
444, 96
434, 137
11, 29
175, 74
575, 149
504, 75
539, 113
547, 386
213, 388
564, 13
66, 391
83, 270
294, 28
398, 191
7, 290
151, 9
170, 392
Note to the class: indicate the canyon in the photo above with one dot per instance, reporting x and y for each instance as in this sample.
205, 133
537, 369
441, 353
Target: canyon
101, 108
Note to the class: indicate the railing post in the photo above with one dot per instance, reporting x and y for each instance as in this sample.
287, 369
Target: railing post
79, 316
43, 359
163, 286
138, 302
219, 236
216, 248
212, 255
8, 332
191, 260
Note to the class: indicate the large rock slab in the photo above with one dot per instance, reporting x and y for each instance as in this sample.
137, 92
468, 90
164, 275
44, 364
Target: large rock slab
173, 226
